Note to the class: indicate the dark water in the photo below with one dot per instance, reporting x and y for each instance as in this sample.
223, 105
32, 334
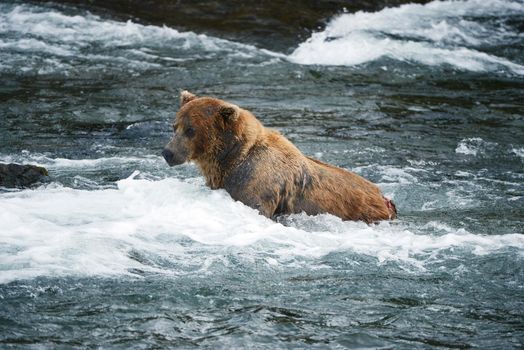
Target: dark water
118, 250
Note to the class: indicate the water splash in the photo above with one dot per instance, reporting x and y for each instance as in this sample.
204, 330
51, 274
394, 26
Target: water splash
61, 231
453, 33
67, 38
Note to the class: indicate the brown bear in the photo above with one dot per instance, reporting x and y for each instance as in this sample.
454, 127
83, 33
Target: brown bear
262, 169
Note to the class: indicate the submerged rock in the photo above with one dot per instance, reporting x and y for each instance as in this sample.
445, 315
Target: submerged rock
16, 175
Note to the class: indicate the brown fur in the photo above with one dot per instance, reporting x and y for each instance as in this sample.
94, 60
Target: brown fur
262, 169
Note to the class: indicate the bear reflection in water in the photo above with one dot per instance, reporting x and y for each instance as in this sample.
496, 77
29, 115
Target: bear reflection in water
264, 170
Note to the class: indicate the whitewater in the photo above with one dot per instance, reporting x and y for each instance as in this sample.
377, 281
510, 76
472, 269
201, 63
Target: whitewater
55, 231
439, 33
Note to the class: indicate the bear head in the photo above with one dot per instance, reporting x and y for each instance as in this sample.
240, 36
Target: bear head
205, 130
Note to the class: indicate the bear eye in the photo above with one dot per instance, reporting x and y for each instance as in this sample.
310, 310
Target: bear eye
190, 132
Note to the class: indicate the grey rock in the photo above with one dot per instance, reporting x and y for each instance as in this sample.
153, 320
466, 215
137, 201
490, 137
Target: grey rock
17, 175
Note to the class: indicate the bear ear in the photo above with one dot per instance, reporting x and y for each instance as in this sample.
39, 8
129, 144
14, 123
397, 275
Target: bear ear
229, 113
185, 97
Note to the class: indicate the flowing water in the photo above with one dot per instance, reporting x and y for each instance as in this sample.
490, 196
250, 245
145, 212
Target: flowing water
117, 250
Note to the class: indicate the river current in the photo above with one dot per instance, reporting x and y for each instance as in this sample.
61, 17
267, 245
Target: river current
117, 250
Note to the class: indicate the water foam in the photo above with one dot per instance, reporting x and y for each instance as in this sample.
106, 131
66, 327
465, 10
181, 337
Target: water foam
518, 152
54, 231
81, 31
42, 31
57, 162
440, 32
478, 147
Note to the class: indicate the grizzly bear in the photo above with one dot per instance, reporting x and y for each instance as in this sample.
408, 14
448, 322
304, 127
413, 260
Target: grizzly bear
262, 169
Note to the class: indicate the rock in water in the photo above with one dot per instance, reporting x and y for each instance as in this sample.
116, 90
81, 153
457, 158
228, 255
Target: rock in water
16, 175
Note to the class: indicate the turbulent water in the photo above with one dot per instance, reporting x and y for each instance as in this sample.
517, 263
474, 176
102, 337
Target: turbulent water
118, 250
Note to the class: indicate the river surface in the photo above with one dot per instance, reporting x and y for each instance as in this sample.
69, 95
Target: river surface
117, 250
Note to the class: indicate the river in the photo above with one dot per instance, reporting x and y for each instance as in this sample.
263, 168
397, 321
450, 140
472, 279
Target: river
117, 250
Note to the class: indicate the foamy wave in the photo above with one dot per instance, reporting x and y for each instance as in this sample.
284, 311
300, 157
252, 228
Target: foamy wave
474, 146
389, 174
50, 162
78, 31
42, 31
518, 152
36, 45
60, 231
440, 32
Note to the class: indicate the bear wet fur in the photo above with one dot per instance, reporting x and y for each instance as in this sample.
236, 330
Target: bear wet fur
262, 169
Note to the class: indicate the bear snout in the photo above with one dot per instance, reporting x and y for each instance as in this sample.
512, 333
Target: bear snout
168, 156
